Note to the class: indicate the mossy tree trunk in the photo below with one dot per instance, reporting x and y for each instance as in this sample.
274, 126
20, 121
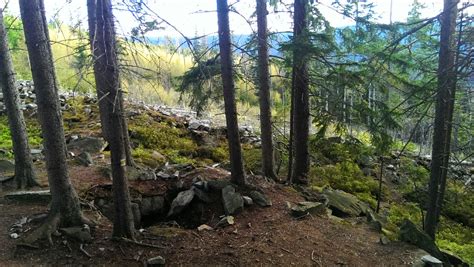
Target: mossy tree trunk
65, 208
268, 162
106, 72
24, 170
235, 150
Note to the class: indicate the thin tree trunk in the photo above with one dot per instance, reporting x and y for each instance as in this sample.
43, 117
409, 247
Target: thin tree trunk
443, 117
301, 97
65, 203
236, 162
25, 176
268, 162
101, 88
107, 72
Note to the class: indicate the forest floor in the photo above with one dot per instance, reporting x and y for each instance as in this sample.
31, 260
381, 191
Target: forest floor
260, 236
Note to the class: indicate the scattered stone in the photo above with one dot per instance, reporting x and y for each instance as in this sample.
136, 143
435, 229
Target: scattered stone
85, 159
204, 227
82, 234
163, 175
233, 202
260, 199
14, 235
156, 261
431, 261
152, 205
247, 201
181, 201
225, 221
411, 234
306, 207
390, 167
41, 196
384, 240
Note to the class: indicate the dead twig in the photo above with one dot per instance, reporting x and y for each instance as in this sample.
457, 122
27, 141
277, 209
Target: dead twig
313, 258
141, 244
81, 248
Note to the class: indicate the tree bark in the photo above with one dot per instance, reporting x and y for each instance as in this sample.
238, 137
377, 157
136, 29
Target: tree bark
107, 73
268, 162
236, 162
300, 114
101, 87
25, 176
443, 116
65, 202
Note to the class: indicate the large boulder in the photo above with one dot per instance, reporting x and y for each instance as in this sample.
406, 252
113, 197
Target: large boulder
344, 204
306, 207
409, 233
88, 144
232, 201
152, 205
7, 170
181, 201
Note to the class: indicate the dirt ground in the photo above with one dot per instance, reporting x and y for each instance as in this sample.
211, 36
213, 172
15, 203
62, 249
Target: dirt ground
259, 237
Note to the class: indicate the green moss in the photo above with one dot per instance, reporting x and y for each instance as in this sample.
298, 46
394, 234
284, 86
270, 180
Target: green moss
252, 159
335, 150
34, 135
348, 177
146, 157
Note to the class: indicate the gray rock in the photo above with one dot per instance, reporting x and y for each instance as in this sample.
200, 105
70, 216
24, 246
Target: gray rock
260, 199
247, 201
344, 204
41, 196
409, 233
6, 167
156, 261
88, 144
201, 195
431, 261
152, 205
384, 240
180, 202
232, 201
82, 234
306, 207
226, 221
85, 159
218, 184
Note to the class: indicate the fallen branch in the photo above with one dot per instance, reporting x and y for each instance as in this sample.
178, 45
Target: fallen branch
140, 243
81, 248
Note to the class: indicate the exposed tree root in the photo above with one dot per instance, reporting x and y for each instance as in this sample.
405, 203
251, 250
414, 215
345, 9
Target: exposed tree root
46, 231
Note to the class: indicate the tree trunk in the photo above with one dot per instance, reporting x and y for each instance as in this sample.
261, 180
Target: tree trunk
65, 203
101, 87
443, 117
25, 176
107, 72
268, 161
236, 162
301, 97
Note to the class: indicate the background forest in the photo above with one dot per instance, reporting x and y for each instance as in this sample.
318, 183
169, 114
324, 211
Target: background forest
372, 91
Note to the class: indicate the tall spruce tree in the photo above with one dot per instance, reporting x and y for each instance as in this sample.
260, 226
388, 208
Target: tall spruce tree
106, 70
264, 92
25, 176
65, 208
443, 116
235, 150
300, 96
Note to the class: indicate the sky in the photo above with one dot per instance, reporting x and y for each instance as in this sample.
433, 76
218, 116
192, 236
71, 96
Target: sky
193, 17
